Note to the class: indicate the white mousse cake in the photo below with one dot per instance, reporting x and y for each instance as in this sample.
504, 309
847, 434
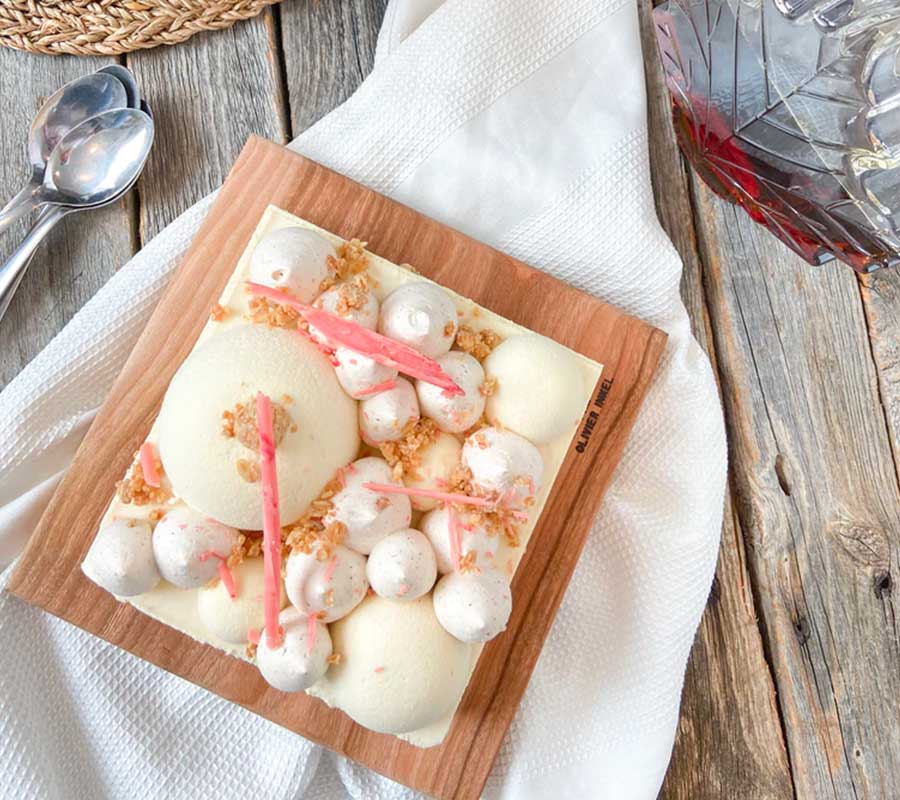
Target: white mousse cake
342, 479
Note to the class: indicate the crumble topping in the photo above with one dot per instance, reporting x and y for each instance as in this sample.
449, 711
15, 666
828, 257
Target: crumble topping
310, 533
240, 423
262, 310
251, 651
134, 489
467, 563
249, 470
219, 312
488, 387
403, 454
351, 260
334, 659
497, 520
478, 345
448, 329
352, 296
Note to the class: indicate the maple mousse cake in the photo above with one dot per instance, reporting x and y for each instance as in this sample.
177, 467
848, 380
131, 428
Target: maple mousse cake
342, 478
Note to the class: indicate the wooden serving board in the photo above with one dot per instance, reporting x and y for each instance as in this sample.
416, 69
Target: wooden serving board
49, 575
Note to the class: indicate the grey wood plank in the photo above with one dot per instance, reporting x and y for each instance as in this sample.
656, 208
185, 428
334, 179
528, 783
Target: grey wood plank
881, 297
729, 741
329, 48
208, 95
83, 251
816, 498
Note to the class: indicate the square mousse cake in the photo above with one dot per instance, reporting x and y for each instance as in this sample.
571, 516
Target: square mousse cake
343, 477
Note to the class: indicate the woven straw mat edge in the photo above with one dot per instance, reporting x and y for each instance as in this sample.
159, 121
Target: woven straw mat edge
112, 27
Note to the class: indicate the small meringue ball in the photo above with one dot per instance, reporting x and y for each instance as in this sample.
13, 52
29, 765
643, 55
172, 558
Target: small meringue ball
505, 464
366, 315
421, 315
333, 587
540, 393
459, 412
230, 618
295, 259
358, 374
293, 666
188, 547
367, 515
402, 566
120, 558
383, 416
473, 538
437, 461
473, 607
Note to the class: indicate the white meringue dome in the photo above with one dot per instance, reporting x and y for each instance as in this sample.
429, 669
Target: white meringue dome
402, 566
230, 618
473, 607
358, 374
189, 547
454, 413
293, 666
400, 670
437, 460
539, 392
295, 259
230, 368
330, 300
120, 558
473, 538
368, 516
383, 416
503, 463
421, 315
332, 588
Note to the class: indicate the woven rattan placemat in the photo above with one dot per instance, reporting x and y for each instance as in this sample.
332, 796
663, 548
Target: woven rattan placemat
111, 27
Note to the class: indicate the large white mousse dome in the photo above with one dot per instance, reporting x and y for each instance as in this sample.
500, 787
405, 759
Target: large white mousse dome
228, 369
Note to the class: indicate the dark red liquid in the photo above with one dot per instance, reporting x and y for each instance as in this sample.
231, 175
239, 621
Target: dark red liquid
732, 170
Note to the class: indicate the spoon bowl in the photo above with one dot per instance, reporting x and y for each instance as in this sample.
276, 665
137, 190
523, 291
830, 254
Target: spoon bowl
99, 158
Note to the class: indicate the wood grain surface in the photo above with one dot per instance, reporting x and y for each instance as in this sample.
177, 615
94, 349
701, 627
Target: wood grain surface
49, 574
737, 716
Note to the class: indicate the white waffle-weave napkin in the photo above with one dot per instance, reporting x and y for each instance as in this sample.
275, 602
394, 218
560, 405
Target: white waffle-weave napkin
523, 125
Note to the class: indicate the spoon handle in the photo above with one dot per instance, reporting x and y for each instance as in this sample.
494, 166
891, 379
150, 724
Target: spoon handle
24, 202
14, 267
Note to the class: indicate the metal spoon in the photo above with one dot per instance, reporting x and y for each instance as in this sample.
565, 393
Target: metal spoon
64, 110
126, 78
94, 165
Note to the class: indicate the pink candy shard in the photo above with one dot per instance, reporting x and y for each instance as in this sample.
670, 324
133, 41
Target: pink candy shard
447, 497
378, 387
455, 539
381, 349
227, 579
329, 570
271, 520
148, 465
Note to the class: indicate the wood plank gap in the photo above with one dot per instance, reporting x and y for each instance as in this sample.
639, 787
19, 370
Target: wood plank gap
276, 47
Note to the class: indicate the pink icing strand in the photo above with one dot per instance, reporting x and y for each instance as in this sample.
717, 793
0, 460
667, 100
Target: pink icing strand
447, 497
148, 465
378, 387
312, 628
381, 349
271, 520
455, 539
227, 579
329, 570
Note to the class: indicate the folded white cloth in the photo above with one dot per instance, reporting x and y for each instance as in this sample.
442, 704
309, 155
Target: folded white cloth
523, 125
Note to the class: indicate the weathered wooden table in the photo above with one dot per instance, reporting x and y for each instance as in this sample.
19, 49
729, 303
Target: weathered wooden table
793, 686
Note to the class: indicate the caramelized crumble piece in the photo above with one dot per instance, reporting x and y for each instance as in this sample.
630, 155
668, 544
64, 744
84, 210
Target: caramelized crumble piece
448, 329
334, 659
350, 260
382, 503
248, 470
477, 344
265, 311
156, 515
329, 598
133, 489
310, 530
488, 387
240, 422
250, 544
403, 454
219, 312
287, 399
251, 651
352, 297
467, 563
